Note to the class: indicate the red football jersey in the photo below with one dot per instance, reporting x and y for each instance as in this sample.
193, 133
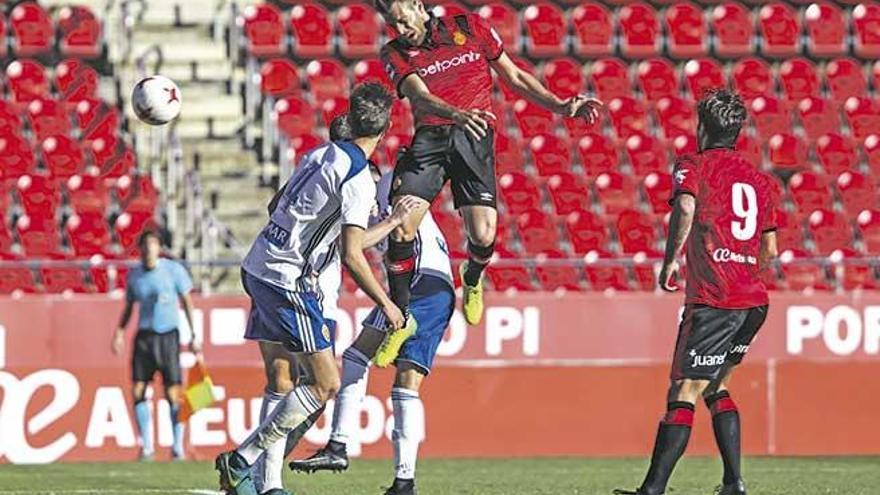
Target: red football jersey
453, 62
735, 206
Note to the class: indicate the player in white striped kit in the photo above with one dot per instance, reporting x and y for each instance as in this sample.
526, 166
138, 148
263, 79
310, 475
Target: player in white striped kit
432, 306
328, 198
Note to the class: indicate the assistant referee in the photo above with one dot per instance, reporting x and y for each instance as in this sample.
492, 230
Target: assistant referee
158, 285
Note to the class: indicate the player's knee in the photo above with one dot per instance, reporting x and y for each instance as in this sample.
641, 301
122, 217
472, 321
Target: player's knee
688, 390
404, 233
138, 391
483, 234
278, 379
327, 387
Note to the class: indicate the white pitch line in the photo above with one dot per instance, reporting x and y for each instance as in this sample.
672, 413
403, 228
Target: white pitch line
193, 491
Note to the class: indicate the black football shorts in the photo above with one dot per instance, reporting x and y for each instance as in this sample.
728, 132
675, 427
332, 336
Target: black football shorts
709, 338
156, 352
446, 152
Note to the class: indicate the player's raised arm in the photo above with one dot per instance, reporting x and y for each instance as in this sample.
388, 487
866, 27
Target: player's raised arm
475, 121
351, 244
378, 232
680, 222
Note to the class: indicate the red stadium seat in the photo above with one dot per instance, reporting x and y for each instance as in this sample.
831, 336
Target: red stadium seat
826, 29
519, 193
703, 75
15, 278
550, 154
852, 270
830, 231
586, 231
89, 234
646, 154
750, 148
509, 155
312, 30
96, 118
39, 195
75, 81
863, 116
370, 70
264, 30
857, 192
598, 154
128, 228
537, 231
602, 274
3, 35
616, 193
872, 153
332, 108
818, 116
327, 79
770, 116
62, 156
279, 77
628, 116
790, 232
610, 78
80, 32
800, 273
532, 119
676, 116
10, 122
553, 275
137, 194
593, 28
658, 190
866, 29
453, 8
639, 30
87, 194
392, 144
48, 118
868, 223
686, 30
26, 80
752, 78
63, 279
845, 79
564, 77
16, 157
38, 235
545, 29
657, 79
507, 273
360, 30
684, 144
836, 153
780, 30
32, 31
505, 20
810, 191
568, 193
453, 229
294, 116
734, 34
799, 79
645, 270
636, 232
401, 117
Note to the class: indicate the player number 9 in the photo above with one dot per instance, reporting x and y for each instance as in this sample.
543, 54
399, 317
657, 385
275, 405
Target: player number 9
745, 206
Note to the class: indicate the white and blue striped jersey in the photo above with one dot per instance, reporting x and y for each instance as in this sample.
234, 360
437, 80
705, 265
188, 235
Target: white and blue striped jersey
330, 187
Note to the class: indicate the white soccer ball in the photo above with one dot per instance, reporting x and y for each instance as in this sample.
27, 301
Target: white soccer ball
156, 100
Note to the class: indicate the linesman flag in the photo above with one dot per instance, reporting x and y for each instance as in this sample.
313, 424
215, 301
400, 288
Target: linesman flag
199, 392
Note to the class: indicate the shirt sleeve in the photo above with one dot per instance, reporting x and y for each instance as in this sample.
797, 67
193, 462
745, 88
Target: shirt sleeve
770, 222
397, 66
358, 199
685, 178
130, 296
182, 281
489, 39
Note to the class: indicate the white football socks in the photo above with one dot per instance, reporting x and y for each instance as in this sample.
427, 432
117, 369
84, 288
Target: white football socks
269, 466
347, 410
409, 430
290, 412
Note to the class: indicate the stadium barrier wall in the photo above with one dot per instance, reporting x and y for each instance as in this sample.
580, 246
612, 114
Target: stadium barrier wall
544, 375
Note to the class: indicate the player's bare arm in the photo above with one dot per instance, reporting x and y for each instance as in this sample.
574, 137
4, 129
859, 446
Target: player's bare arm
769, 249
680, 223
195, 346
352, 241
118, 344
402, 208
475, 122
529, 87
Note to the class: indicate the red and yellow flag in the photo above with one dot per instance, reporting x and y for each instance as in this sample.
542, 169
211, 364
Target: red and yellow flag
199, 392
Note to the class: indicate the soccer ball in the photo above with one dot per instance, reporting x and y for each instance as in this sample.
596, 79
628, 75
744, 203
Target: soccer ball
156, 100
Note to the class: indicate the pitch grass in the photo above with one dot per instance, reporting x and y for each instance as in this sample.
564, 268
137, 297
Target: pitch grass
567, 476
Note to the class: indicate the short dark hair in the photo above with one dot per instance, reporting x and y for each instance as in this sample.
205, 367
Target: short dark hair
340, 128
722, 113
146, 234
384, 6
369, 110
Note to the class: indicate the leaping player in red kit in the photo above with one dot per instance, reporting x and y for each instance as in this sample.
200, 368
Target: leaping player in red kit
723, 211
442, 65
